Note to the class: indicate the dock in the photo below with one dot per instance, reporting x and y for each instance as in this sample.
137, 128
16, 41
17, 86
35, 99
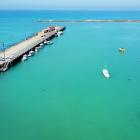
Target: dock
15, 53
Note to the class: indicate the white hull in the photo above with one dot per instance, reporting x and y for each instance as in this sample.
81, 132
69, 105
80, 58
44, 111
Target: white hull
45, 42
24, 58
49, 42
36, 50
31, 53
59, 33
106, 73
41, 44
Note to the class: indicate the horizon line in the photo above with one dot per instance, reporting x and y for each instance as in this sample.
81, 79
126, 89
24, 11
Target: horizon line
69, 9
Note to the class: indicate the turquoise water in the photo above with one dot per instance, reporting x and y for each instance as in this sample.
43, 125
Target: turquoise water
60, 93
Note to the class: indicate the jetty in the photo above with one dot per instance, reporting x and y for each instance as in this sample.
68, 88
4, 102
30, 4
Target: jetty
15, 53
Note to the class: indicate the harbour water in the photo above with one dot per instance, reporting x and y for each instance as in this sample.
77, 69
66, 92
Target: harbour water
60, 93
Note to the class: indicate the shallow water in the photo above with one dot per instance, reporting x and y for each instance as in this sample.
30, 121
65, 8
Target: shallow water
60, 93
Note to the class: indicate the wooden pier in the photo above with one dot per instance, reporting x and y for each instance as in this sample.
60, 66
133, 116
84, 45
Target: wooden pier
15, 53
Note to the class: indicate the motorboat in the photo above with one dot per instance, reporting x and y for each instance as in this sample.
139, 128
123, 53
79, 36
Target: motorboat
41, 44
59, 33
36, 49
45, 42
31, 53
122, 50
49, 43
106, 73
24, 58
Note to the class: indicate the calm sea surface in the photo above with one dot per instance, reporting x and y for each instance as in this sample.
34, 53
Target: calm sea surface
60, 93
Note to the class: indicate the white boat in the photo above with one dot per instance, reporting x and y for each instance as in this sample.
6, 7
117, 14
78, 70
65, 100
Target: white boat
45, 42
49, 43
59, 33
31, 53
25, 57
41, 44
106, 73
36, 49
122, 50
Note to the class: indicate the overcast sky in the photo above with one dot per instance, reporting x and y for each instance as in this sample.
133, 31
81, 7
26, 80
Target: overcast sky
71, 4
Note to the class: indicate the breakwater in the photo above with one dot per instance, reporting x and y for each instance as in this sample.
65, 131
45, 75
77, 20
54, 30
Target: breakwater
76, 21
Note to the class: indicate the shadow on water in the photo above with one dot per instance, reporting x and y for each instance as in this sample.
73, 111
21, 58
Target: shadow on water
129, 79
44, 91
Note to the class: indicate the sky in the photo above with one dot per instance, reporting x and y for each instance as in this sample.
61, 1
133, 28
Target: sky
71, 4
